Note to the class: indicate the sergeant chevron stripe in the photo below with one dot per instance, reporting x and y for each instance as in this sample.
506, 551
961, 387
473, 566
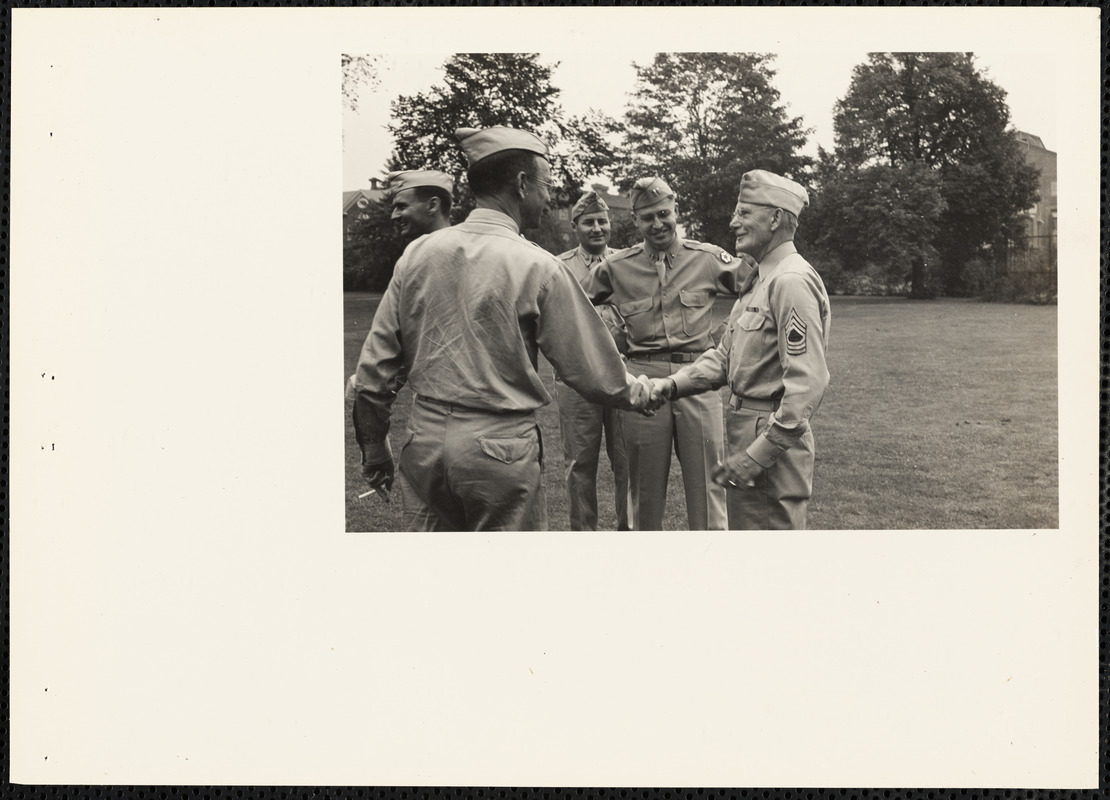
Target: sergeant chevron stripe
795, 335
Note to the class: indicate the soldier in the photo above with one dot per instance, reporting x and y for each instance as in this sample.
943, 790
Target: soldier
467, 311
420, 201
664, 289
581, 422
772, 357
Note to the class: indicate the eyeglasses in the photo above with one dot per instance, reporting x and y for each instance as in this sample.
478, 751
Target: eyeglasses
737, 215
541, 180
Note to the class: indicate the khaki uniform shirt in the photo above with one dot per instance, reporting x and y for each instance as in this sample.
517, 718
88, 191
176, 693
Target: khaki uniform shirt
579, 262
773, 349
666, 298
462, 320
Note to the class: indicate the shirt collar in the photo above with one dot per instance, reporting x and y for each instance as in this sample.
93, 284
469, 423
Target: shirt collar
493, 217
671, 251
589, 258
775, 257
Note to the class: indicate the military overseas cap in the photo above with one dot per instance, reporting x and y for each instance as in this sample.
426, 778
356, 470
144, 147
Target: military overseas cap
589, 203
647, 192
411, 178
479, 143
762, 188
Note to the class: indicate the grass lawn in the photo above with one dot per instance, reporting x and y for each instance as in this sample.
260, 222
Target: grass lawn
940, 414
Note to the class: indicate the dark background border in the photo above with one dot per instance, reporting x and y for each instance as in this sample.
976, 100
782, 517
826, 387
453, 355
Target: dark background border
107, 792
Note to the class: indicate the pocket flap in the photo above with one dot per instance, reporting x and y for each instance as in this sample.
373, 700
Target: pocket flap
693, 299
509, 449
635, 306
750, 320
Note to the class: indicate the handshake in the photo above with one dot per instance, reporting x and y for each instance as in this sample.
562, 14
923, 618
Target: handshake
649, 394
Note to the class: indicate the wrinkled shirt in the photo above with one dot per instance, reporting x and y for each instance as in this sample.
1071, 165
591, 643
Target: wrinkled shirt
773, 350
666, 297
462, 320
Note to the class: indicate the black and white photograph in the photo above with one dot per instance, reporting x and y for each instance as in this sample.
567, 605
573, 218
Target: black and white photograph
923, 199
696, 397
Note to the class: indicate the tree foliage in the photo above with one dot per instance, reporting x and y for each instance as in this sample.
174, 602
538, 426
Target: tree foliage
932, 113
700, 121
883, 215
359, 71
370, 249
480, 90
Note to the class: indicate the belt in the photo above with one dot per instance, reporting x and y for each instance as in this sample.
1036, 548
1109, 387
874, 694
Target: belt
459, 407
673, 357
752, 403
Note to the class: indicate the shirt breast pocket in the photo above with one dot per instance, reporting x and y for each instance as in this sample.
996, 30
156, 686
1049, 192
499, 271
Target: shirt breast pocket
696, 311
750, 320
637, 318
747, 342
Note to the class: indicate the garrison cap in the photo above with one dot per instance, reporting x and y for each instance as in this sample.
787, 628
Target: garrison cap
648, 192
589, 203
479, 143
411, 178
762, 188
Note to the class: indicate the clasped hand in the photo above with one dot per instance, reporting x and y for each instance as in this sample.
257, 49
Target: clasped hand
649, 394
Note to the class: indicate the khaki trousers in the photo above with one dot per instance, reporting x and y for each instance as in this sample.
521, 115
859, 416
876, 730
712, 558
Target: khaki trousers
581, 425
693, 427
462, 469
781, 494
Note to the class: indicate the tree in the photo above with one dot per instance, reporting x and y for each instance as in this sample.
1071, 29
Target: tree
623, 230
359, 72
586, 145
371, 249
700, 121
937, 112
480, 90
880, 216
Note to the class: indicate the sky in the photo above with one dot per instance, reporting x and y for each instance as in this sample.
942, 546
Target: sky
809, 86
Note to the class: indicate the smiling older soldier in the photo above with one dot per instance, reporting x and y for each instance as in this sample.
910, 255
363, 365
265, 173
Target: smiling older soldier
664, 288
773, 358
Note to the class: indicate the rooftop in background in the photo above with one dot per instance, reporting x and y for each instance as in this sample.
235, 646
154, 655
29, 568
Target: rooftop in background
613, 198
1030, 139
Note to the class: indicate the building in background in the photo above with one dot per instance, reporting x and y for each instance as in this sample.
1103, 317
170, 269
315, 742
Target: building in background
1041, 225
356, 203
